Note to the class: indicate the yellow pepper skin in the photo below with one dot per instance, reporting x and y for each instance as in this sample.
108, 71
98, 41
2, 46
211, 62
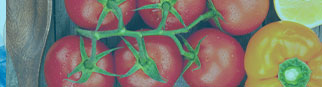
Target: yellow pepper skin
274, 44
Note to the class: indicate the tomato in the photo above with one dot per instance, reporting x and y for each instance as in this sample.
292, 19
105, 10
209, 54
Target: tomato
221, 58
64, 55
241, 16
85, 13
162, 50
188, 9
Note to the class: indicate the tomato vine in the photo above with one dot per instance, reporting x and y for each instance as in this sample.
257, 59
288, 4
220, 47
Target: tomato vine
143, 60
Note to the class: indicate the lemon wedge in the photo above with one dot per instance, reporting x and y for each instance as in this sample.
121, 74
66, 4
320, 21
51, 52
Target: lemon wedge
306, 12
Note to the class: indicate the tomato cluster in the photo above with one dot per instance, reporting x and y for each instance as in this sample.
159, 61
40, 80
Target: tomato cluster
209, 57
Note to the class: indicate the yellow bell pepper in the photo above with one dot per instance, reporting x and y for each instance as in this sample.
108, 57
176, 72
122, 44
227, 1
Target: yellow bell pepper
284, 54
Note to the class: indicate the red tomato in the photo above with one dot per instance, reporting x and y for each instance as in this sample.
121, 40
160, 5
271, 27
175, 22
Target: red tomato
241, 16
188, 9
162, 50
221, 57
64, 55
85, 13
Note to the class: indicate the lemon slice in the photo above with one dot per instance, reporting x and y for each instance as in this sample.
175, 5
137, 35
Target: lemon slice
306, 12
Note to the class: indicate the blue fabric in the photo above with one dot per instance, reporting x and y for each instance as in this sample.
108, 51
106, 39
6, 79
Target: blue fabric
2, 66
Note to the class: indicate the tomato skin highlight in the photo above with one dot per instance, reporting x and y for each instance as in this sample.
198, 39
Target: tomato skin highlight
64, 55
221, 57
85, 13
162, 50
189, 10
241, 16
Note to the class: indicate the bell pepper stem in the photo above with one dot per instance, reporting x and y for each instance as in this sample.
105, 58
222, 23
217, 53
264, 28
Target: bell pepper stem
294, 73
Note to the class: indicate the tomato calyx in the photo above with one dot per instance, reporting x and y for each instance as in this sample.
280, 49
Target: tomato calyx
143, 62
195, 58
165, 6
88, 65
111, 6
294, 73
216, 14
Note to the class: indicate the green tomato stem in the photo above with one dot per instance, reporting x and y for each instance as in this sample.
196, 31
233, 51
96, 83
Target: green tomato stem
294, 73
142, 49
216, 14
205, 16
92, 58
187, 55
139, 34
124, 32
149, 67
